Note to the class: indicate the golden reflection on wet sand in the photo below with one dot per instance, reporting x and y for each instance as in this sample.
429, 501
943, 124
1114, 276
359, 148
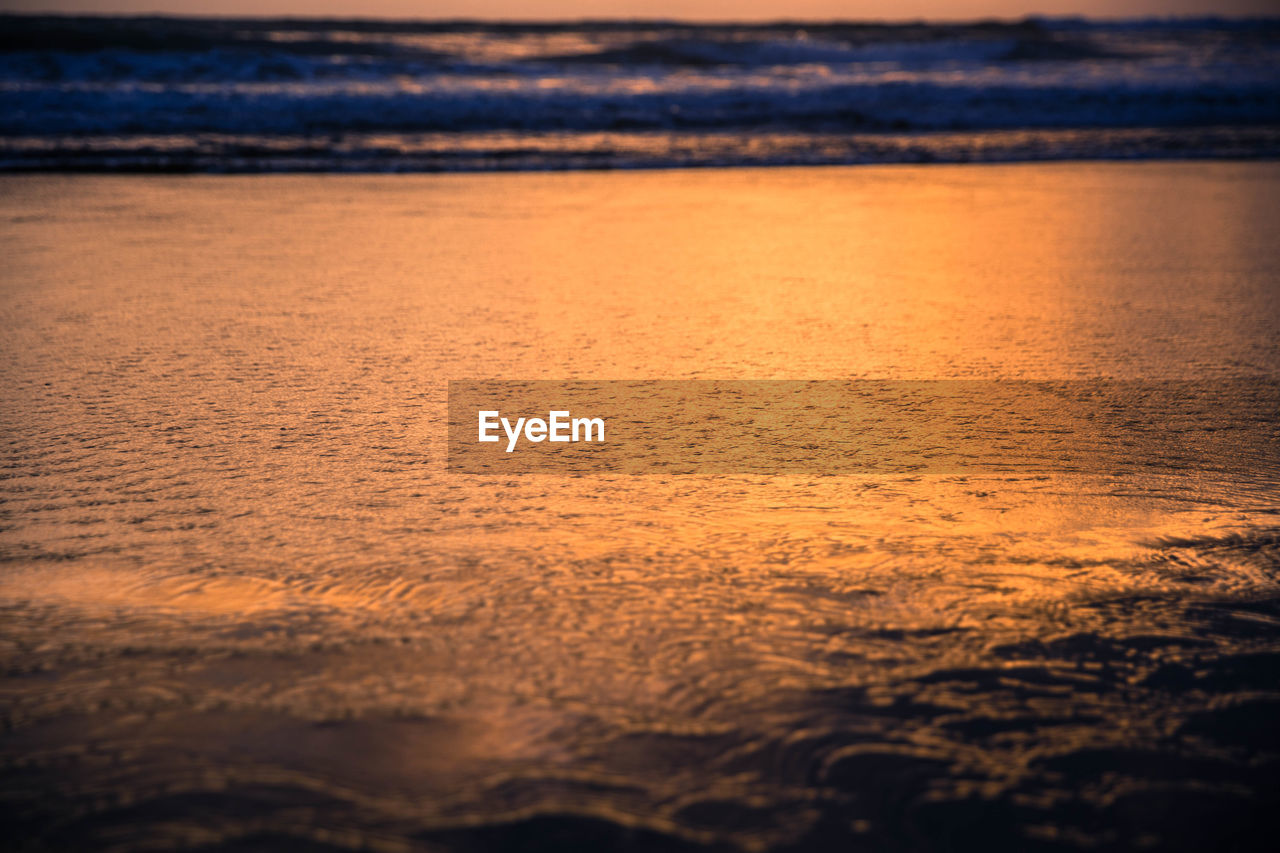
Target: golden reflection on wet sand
245, 602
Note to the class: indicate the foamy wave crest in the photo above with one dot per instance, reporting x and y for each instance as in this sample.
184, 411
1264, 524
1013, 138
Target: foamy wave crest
67, 80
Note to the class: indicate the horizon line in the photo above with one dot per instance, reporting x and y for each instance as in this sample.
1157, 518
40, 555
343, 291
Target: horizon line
640, 20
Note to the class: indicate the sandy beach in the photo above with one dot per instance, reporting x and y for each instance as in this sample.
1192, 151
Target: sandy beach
245, 605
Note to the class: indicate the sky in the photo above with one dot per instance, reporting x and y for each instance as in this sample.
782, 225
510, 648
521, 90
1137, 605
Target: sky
682, 9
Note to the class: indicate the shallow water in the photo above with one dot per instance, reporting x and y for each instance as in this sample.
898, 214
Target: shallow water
245, 603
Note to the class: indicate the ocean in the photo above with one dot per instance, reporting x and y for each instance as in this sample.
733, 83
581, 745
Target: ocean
935, 504
256, 95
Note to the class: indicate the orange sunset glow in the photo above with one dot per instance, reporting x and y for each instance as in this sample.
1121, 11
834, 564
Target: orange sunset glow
745, 10
704, 434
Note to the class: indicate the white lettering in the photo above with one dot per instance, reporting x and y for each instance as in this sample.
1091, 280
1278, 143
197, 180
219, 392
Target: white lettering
488, 421
586, 424
513, 435
559, 420
535, 430
560, 427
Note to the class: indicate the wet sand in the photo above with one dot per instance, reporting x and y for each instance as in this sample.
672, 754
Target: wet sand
246, 606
